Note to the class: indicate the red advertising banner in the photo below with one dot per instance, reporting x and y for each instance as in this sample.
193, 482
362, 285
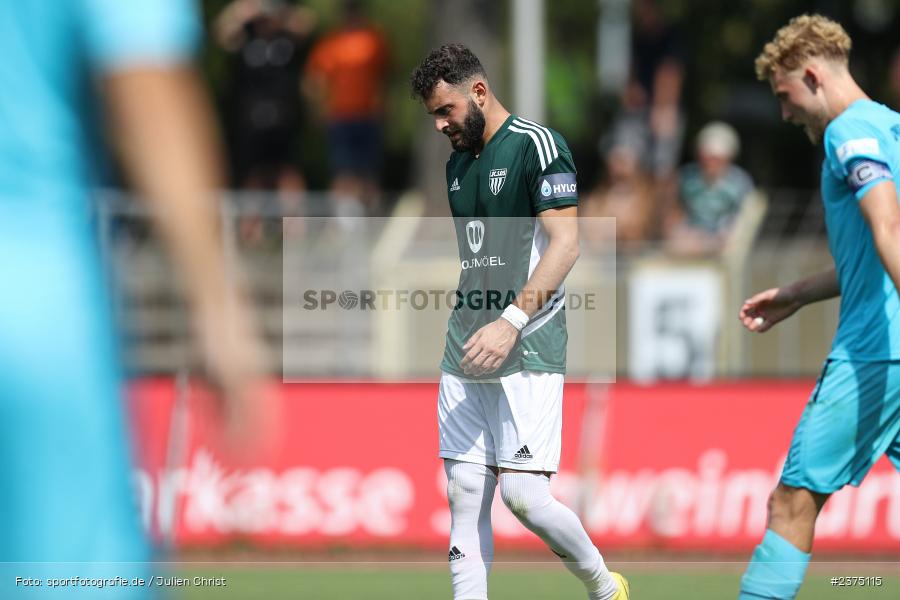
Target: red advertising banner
668, 466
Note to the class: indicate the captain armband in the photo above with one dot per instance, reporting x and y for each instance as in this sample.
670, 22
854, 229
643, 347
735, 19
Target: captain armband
865, 171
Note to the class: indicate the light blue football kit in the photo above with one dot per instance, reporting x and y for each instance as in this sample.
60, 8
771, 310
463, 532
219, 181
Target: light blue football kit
67, 504
853, 415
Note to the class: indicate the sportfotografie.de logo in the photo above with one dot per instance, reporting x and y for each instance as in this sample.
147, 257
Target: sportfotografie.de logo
403, 299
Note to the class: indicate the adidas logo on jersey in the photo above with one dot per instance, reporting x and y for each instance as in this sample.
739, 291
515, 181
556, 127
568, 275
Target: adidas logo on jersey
455, 554
455, 186
523, 453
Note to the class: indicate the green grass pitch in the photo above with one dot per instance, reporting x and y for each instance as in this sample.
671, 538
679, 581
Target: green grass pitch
656, 581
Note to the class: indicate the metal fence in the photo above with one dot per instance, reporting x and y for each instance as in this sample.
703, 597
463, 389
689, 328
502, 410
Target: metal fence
409, 251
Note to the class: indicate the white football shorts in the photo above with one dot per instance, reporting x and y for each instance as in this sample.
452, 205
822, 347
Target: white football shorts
514, 422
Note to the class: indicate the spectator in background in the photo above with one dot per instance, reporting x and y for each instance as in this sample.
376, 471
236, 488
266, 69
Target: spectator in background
651, 99
346, 73
626, 194
710, 194
269, 41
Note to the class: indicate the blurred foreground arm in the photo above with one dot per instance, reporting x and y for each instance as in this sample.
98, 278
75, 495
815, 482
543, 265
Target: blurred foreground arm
161, 124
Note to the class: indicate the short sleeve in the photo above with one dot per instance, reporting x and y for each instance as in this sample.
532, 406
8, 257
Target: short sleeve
856, 152
124, 34
553, 179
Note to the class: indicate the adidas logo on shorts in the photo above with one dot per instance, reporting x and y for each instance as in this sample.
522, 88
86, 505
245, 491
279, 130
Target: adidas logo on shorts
523, 453
455, 554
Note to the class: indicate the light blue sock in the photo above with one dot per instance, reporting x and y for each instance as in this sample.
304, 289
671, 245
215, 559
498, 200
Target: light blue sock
775, 571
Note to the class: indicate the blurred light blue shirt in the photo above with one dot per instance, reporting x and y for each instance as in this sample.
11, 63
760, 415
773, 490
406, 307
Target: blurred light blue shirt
64, 459
52, 53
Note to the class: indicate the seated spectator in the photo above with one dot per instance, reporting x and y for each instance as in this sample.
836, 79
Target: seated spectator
626, 194
710, 195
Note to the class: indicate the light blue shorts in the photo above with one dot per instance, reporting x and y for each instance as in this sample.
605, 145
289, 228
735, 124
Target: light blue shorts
851, 420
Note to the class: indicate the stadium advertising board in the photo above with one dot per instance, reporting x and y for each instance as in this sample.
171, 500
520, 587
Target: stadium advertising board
669, 466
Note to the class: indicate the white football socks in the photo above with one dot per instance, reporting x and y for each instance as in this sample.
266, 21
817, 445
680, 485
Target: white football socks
470, 491
528, 496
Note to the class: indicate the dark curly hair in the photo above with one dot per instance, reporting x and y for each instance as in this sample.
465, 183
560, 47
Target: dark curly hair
454, 63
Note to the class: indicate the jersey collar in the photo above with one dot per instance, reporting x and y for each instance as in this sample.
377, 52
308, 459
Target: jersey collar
500, 130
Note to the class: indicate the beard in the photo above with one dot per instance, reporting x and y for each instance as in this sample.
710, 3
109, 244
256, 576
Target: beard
471, 138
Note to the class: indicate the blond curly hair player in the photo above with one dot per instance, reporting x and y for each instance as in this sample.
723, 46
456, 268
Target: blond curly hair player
853, 414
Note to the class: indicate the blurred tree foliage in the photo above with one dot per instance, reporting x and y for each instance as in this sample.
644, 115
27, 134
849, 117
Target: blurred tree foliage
720, 39
404, 24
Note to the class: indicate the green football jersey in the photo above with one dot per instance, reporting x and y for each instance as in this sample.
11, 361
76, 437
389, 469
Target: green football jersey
495, 198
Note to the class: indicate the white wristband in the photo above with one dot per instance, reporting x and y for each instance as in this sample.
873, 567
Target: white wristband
516, 317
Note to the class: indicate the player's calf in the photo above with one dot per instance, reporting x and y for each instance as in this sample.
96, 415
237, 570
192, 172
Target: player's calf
793, 512
779, 563
528, 496
470, 492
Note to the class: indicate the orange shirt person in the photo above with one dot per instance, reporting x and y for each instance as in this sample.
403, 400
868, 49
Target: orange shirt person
346, 71
349, 67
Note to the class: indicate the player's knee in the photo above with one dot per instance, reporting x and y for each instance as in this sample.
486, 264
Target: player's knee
782, 503
790, 504
516, 500
523, 492
467, 482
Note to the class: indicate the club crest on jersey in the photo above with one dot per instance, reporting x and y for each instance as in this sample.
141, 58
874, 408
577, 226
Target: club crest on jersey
497, 178
475, 235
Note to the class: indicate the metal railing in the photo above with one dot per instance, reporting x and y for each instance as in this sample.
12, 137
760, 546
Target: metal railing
400, 253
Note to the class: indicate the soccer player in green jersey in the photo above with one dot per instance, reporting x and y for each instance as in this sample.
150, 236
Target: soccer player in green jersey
513, 196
